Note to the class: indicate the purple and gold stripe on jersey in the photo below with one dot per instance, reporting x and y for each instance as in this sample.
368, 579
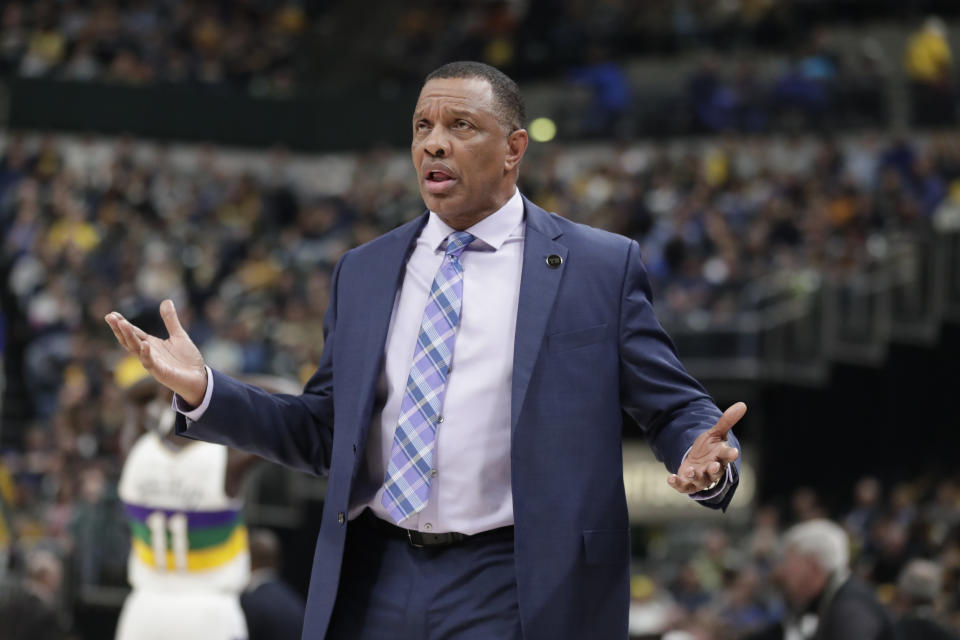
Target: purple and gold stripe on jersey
214, 538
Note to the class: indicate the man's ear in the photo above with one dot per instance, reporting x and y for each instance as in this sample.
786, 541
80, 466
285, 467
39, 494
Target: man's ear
516, 146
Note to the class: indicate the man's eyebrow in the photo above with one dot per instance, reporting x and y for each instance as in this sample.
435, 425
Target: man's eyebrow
454, 111
463, 112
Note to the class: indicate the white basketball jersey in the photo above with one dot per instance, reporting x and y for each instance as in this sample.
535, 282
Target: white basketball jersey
186, 533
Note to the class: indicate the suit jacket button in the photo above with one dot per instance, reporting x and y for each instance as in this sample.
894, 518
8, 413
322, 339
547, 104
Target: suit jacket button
354, 447
341, 518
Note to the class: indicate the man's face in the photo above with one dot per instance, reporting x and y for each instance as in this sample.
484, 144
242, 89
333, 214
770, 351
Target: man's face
464, 154
800, 578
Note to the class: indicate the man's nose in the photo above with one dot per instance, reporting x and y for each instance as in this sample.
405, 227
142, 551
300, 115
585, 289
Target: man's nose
437, 144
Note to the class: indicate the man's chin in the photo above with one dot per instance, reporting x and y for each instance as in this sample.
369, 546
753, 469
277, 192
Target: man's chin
439, 202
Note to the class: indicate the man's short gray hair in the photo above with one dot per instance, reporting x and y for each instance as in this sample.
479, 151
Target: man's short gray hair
822, 540
920, 582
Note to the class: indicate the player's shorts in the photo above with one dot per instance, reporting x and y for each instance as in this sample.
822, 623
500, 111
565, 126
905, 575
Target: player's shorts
189, 615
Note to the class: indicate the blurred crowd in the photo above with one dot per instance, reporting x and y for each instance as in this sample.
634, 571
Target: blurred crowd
766, 66
726, 224
817, 88
246, 252
248, 45
826, 81
902, 542
545, 35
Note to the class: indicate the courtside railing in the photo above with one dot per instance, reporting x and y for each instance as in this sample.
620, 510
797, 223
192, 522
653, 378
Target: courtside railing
807, 321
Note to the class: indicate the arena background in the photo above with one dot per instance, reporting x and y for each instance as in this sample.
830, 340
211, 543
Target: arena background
791, 170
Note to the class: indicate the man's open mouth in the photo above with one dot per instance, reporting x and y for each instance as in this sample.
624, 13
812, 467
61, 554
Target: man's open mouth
437, 181
438, 176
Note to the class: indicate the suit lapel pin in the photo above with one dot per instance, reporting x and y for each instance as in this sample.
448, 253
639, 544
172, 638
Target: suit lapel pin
554, 261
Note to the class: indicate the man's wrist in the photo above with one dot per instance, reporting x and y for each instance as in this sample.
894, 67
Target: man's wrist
195, 411
193, 399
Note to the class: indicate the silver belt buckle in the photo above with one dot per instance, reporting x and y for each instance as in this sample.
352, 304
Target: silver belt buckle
415, 545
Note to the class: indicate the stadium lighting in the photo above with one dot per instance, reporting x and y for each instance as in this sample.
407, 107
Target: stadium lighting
542, 130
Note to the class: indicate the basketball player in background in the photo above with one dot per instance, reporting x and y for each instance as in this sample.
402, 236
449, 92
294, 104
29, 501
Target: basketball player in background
189, 557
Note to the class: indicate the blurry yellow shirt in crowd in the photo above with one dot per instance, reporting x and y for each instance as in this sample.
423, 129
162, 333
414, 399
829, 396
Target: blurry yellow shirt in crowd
260, 273
716, 167
48, 45
80, 234
928, 57
6, 499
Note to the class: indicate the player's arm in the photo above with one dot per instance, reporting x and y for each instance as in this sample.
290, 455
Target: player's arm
136, 399
239, 463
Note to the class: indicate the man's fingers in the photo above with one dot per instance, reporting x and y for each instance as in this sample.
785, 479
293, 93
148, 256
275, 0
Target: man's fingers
113, 321
677, 483
146, 357
730, 454
680, 484
690, 479
127, 334
130, 335
137, 331
170, 320
729, 418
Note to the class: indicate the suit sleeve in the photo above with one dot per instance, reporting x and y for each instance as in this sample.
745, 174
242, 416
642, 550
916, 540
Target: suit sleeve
670, 406
292, 430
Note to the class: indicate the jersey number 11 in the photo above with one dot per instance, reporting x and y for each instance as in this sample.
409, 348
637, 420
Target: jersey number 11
176, 524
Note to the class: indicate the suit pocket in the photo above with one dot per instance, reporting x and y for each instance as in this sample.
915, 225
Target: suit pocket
579, 338
606, 546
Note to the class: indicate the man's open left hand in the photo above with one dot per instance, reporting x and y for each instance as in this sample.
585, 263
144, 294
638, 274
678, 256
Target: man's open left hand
707, 461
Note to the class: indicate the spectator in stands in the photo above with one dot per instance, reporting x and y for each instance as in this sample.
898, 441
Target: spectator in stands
805, 505
713, 100
866, 508
929, 64
824, 600
801, 96
32, 610
742, 606
917, 600
273, 610
610, 94
688, 590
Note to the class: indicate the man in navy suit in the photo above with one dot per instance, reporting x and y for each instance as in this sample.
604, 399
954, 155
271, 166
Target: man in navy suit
467, 405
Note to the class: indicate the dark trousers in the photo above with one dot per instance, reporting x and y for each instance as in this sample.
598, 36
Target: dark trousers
390, 590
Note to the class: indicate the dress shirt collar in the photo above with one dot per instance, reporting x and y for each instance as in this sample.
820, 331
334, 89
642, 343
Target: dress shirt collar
492, 231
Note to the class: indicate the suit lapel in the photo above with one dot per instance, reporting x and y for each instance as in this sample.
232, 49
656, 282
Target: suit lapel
538, 289
380, 295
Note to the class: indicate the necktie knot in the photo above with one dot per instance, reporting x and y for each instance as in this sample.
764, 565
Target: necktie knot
457, 242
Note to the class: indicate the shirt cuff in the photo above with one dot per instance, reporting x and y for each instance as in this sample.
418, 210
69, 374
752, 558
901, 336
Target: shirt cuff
180, 405
717, 491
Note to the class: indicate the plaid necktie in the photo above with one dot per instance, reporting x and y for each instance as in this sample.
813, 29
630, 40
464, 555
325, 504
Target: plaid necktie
407, 485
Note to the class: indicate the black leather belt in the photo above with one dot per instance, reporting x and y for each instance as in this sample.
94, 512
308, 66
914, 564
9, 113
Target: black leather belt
420, 540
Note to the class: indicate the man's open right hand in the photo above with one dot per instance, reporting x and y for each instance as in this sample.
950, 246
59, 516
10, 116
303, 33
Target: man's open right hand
175, 363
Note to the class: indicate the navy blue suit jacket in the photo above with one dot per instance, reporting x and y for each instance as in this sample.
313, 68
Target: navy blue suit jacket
587, 347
